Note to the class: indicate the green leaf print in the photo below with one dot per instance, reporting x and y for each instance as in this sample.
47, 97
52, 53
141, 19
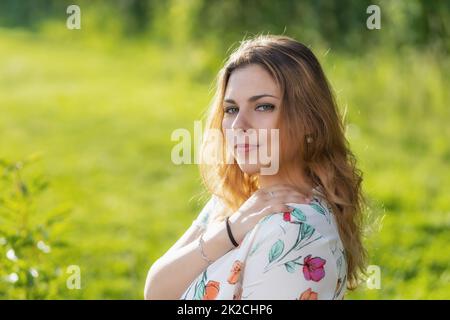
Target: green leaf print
200, 287
306, 231
204, 219
340, 285
297, 213
276, 250
199, 290
291, 266
320, 209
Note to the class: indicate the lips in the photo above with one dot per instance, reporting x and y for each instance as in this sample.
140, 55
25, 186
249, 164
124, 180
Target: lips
245, 147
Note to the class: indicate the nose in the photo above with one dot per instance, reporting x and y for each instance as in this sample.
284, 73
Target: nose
241, 122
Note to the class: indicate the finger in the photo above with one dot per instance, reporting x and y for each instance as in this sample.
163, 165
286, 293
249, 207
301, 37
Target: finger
278, 187
277, 192
279, 207
293, 198
296, 194
282, 196
297, 199
282, 188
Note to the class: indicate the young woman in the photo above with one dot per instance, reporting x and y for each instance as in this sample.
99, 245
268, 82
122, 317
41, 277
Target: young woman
292, 234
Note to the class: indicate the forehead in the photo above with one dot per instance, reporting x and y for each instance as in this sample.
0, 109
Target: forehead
250, 80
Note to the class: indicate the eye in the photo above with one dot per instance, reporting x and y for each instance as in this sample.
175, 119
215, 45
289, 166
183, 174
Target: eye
265, 107
231, 110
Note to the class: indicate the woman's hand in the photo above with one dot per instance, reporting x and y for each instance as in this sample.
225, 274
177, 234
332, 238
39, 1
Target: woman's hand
263, 202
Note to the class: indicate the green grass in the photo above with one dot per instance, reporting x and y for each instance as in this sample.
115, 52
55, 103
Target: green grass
101, 113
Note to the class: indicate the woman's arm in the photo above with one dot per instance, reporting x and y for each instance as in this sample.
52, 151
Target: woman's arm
171, 274
189, 236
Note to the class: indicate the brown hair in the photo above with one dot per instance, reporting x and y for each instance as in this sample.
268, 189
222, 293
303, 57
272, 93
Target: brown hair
309, 111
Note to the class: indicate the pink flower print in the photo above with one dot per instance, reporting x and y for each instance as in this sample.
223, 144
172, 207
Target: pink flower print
294, 216
313, 268
287, 216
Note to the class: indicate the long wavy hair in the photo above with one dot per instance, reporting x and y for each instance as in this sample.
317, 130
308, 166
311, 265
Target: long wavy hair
308, 111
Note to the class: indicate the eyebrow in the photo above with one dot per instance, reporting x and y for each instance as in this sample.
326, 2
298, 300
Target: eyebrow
252, 99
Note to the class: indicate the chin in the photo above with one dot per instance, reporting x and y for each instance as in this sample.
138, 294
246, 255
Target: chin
249, 169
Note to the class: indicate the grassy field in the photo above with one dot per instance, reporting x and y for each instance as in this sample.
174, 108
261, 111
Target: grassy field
100, 114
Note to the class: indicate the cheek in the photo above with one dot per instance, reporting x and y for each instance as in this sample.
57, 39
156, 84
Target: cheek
267, 125
268, 120
272, 122
226, 123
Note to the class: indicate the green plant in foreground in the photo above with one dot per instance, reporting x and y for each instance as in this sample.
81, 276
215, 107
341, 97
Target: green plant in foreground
28, 247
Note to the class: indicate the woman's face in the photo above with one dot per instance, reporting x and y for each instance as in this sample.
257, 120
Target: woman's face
251, 109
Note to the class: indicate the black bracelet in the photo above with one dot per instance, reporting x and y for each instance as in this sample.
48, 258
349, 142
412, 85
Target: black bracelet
230, 235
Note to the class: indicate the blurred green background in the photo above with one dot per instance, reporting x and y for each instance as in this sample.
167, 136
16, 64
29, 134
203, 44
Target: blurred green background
86, 118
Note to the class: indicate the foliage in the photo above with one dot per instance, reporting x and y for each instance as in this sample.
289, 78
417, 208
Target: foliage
28, 269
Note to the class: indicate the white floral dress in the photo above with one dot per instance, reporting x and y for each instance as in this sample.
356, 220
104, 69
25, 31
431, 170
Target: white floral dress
286, 256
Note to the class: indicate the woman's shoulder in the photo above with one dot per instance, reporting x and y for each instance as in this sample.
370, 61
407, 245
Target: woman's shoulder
308, 233
306, 222
317, 214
